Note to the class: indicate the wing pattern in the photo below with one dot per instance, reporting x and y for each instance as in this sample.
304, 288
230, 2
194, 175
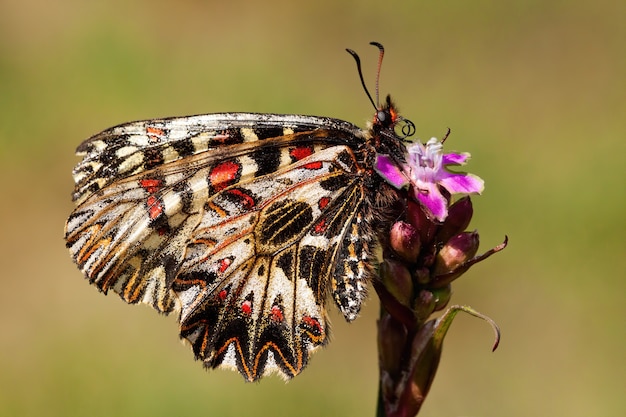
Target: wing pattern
243, 223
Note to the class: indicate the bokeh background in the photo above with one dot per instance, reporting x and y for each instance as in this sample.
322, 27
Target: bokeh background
535, 90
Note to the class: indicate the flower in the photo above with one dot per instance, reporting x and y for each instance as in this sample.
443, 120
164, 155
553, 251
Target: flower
425, 172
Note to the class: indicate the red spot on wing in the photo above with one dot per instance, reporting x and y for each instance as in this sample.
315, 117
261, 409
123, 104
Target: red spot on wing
323, 202
220, 138
151, 185
224, 264
300, 152
154, 130
313, 165
222, 295
155, 208
224, 174
245, 199
155, 133
246, 308
276, 314
313, 324
320, 227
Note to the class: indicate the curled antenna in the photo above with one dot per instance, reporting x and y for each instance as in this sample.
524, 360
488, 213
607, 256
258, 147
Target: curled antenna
358, 67
408, 128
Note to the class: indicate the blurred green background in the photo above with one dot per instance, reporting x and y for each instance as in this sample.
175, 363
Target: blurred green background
535, 90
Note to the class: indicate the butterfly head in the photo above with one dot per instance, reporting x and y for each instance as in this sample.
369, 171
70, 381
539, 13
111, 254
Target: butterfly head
387, 119
387, 115
387, 122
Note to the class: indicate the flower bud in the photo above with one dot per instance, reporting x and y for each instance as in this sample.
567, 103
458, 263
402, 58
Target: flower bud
391, 340
405, 241
397, 280
417, 218
425, 354
424, 305
442, 297
459, 217
457, 250
429, 256
387, 384
422, 275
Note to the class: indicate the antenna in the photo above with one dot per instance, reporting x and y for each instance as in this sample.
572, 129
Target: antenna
381, 50
358, 66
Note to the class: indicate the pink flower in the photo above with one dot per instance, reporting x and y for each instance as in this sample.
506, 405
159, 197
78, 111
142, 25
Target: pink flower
425, 172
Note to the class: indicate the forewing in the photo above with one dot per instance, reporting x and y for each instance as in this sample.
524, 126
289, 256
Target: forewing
135, 147
142, 186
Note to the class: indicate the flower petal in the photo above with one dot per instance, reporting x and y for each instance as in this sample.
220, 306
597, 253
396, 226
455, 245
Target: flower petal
455, 158
431, 198
386, 168
462, 183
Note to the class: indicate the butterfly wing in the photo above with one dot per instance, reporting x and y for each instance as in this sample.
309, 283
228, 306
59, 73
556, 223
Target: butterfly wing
135, 147
243, 222
255, 276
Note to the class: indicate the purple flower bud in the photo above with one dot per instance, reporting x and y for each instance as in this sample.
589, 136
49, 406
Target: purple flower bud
405, 241
459, 217
457, 250
417, 218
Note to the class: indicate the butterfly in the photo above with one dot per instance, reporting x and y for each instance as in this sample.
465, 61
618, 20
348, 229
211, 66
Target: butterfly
244, 224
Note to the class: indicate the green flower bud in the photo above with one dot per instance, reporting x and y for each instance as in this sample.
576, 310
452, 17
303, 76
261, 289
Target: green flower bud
442, 297
397, 280
424, 305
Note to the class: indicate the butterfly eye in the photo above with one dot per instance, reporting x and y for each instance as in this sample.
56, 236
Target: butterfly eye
381, 116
